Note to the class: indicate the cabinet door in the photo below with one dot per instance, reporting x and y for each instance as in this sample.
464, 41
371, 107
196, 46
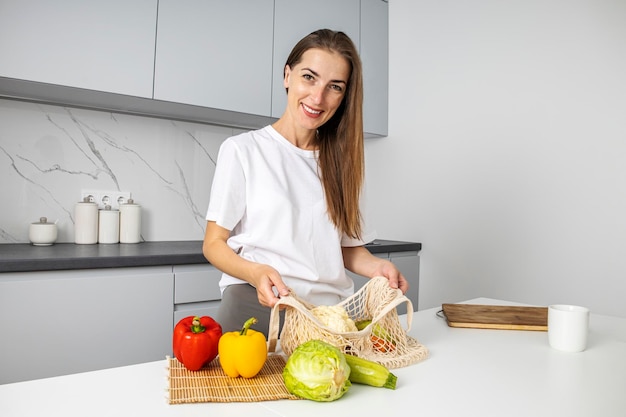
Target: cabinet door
63, 322
97, 45
294, 19
215, 54
193, 283
196, 291
375, 58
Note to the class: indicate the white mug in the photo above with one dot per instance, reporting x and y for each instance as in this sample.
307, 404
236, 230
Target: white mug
568, 327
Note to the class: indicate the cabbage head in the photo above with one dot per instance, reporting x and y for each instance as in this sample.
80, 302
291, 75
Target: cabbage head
317, 371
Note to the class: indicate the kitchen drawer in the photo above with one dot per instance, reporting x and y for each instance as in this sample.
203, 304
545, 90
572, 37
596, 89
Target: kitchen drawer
207, 308
195, 283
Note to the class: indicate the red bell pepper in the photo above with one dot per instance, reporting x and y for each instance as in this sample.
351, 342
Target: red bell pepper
195, 341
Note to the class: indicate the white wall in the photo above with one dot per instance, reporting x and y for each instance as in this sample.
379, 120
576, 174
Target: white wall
506, 155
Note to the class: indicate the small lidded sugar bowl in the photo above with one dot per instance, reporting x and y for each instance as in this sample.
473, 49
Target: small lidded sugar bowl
42, 233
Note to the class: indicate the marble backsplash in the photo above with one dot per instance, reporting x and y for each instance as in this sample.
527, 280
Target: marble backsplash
49, 154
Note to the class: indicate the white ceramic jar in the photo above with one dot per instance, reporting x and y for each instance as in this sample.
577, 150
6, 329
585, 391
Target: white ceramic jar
130, 222
108, 225
42, 233
85, 222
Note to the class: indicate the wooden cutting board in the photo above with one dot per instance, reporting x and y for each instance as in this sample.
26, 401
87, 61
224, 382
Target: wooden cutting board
496, 317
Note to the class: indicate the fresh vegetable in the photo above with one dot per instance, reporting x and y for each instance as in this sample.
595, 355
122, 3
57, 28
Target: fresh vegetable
317, 371
243, 353
195, 341
381, 339
335, 318
382, 345
364, 371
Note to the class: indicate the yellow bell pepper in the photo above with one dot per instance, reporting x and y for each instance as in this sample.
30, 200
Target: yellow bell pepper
242, 353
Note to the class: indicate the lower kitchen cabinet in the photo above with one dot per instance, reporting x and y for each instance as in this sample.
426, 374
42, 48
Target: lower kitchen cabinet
68, 321
63, 322
196, 291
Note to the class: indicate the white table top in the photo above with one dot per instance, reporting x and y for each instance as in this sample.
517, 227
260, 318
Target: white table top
470, 372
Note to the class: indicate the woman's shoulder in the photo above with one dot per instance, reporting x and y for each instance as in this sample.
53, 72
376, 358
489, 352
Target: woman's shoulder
249, 139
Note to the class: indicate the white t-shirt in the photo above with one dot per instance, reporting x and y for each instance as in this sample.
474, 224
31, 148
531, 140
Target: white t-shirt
268, 193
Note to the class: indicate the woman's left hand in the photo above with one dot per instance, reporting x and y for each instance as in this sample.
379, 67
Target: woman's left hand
360, 261
396, 280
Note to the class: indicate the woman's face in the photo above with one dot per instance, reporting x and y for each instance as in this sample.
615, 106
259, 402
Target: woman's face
316, 86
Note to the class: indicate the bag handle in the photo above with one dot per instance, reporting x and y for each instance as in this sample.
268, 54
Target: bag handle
272, 335
395, 303
399, 299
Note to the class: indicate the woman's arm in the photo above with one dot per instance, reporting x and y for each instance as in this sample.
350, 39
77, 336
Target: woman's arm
359, 260
220, 255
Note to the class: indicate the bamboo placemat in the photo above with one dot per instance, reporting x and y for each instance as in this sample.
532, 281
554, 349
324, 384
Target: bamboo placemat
210, 384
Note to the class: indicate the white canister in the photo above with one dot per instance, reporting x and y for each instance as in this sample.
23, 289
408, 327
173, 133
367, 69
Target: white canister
86, 222
130, 222
108, 225
42, 233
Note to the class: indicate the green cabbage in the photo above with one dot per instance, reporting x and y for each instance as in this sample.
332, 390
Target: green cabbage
317, 371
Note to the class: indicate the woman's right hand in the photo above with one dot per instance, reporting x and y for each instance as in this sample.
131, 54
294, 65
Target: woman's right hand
265, 279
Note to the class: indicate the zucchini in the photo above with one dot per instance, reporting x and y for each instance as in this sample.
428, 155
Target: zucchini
364, 371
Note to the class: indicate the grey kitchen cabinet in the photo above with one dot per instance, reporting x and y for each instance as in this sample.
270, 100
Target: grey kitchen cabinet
95, 45
375, 58
196, 291
294, 19
203, 61
215, 54
62, 322
408, 263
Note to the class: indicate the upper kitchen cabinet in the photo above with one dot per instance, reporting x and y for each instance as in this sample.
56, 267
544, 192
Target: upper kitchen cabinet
215, 54
205, 61
95, 45
293, 20
375, 58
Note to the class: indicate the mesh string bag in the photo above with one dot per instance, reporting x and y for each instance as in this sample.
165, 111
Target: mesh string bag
375, 301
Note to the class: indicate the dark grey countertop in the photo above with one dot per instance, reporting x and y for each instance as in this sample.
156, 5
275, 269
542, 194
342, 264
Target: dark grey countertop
24, 257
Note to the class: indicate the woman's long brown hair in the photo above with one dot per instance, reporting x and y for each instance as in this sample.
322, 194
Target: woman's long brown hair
340, 139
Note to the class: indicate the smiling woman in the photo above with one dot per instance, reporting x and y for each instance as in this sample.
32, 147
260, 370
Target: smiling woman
315, 89
327, 70
285, 206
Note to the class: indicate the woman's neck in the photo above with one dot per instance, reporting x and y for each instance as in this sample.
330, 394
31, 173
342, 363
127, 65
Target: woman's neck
301, 138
